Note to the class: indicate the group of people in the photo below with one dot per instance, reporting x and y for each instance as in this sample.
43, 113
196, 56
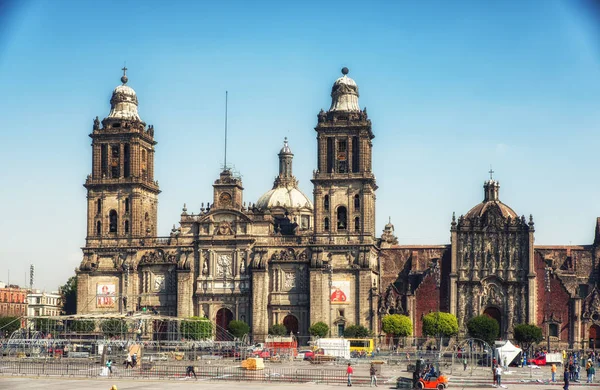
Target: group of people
497, 372
372, 373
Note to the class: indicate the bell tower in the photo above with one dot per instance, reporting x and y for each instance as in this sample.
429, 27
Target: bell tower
122, 195
344, 185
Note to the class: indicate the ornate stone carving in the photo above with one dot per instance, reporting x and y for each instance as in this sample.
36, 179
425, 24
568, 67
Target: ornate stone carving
224, 263
159, 283
158, 257
224, 229
290, 280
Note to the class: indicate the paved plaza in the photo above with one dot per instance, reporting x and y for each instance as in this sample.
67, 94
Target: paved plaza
105, 384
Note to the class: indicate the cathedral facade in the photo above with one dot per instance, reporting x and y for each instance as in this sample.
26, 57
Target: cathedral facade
293, 260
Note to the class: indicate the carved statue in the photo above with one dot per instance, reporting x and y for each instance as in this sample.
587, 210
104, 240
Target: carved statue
205, 268
224, 229
96, 124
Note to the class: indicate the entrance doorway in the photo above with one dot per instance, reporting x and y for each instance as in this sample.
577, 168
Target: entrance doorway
594, 337
224, 317
291, 324
494, 313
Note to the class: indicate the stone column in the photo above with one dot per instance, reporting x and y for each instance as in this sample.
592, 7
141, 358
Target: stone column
363, 298
319, 297
83, 299
577, 315
260, 302
185, 306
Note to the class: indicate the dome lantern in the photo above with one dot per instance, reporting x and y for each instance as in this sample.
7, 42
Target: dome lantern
344, 94
124, 102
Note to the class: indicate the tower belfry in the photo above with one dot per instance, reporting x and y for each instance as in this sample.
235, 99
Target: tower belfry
122, 192
344, 185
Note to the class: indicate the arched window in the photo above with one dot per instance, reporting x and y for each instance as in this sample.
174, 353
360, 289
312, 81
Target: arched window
143, 155
342, 221
356, 224
356, 202
326, 202
99, 206
98, 228
326, 223
126, 205
146, 223
126, 226
113, 221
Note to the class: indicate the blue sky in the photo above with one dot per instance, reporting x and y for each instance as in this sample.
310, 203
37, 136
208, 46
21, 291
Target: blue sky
451, 87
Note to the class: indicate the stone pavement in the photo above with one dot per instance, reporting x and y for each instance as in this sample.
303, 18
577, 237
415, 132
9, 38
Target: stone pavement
105, 384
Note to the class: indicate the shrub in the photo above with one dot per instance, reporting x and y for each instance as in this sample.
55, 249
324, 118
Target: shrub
196, 328
278, 330
484, 328
356, 331
397, 325
319, 329
440, 323
238, 328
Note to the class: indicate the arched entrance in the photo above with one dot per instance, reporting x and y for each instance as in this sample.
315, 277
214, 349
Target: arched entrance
494, 313
224, 317
291, 324
594, 336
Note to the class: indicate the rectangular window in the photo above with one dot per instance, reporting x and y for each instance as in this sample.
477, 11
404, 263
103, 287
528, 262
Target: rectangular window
342, 146
330, 155
553, 330
126, 161
104, 159
355, 155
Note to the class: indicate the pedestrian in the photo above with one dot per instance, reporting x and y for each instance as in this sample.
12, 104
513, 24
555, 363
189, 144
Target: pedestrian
495, 376
499, 375
128, 361
373, 373
349, 372
139, 334
553, 369
591, 372
109, 366
190, 370
465, 364
566, 378
134, 360
505, 363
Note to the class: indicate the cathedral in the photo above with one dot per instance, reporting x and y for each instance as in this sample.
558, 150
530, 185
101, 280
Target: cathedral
295, 260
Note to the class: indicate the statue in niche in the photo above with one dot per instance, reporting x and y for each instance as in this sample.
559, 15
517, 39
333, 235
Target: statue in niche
205, 268
243, 265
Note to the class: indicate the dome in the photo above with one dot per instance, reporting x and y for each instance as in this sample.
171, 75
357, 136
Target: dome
124, 102
286, 197
344, 94
482, 208
286, 147
490, 201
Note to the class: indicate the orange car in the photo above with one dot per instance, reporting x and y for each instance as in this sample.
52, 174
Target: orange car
433, 382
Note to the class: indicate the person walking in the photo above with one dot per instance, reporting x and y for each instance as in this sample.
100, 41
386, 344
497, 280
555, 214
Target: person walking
591, 372
465, 364
553, 370
134, 360
349, 372
495, 376
109, 366
566, 378
190, 370
499, 375
128, 361
373, 373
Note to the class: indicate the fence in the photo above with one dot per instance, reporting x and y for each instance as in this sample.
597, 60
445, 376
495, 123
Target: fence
161, 371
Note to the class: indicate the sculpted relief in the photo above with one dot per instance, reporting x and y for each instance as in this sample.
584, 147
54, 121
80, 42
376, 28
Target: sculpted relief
224, 266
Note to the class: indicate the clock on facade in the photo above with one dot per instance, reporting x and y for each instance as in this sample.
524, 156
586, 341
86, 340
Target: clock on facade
225, 199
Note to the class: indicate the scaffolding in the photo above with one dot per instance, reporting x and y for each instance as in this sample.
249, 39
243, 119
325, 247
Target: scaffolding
103, 336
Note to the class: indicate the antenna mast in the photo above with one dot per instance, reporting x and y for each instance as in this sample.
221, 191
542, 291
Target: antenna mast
225, 162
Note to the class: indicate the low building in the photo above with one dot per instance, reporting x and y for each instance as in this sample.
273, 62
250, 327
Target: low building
42, 303
12, 300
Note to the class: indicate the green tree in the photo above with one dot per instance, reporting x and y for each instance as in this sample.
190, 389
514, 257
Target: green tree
68, 293
8, 325
356, 331
319, 329
278, 330
82, 326
527, 335
238, 328
440, 324
196, 328
397, 325
484, 328
114, 327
